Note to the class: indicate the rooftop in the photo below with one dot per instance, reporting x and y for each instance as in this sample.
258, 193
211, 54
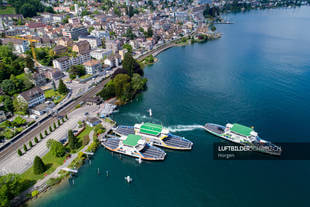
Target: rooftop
152, 129
132, 140
240, 129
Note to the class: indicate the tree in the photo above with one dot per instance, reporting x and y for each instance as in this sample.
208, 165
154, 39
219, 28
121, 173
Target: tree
10, 186
38, 166
138, 83
85, 140
128, 47
30, 144
76, 70
62, 120
25, 148
149, 32
36, 140
28, 10
50, 129
20, 106
120, 83
45, 132
8, 104
41, 136
19, 152
29, 63
213, 28
66, 116
103, 43
62, 88
8, 87
54, 125
73, 142
131, 65
56, 148
58, 122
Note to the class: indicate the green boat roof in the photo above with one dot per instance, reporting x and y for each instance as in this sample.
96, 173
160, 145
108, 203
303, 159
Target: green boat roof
131, 140
240, 129
152, 129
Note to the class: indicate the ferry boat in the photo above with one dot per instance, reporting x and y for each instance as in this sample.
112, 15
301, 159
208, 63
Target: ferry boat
134, 146
155, 134
243, 135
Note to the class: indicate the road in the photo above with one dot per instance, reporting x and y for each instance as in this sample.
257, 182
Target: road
30, 135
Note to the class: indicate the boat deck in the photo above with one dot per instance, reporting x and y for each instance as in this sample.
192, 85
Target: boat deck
111, 143
124, 130
178, 142
215, 128
151, 152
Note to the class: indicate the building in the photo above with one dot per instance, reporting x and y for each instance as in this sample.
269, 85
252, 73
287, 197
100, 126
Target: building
75, 32
62, 63
66, 42
93, 66
81, 47
38, 79
54, 74
32, 97
59, 49
42, 108
100, 54
93, 121
92, 40
20, 46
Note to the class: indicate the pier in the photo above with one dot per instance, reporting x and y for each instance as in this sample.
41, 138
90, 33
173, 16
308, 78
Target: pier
69, 170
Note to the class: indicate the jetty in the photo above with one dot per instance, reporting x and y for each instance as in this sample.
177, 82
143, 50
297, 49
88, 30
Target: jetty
69, 170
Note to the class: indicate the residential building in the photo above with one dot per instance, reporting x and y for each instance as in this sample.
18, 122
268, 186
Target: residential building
93, 121
59, 49
93, 66
100, 54
20, 46
32, 97
62, 63
92, 40
75, 32
81, 47
54, 74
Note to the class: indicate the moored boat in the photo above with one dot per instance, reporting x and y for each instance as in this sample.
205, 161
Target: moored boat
134, 146
243, 135
155, 134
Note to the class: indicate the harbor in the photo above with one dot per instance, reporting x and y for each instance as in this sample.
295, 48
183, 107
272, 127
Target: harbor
239, 78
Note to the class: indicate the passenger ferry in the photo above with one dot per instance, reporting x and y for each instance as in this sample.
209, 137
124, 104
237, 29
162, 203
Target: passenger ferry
134, 146
155, 134
243, 135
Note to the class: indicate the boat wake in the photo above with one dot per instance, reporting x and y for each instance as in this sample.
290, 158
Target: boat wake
143, 118
183, 128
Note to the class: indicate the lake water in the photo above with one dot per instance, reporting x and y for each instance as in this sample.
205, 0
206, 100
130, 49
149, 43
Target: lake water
257, 74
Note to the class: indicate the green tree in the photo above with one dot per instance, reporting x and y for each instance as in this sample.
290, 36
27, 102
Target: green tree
120, 83
28, 10
45, 132
30, 144
213, 28
73, 142
50, 129
29, 63
19, 152
20, 106
62, 88
41, 136
138, 83
76, 70
58, 122
85, 140
56, 148
103, 43
8, 104
8, 87
130, 64
36, 140
66, 116
38, 166
54, 125
25, 148
128, 47
10, 186
149, 32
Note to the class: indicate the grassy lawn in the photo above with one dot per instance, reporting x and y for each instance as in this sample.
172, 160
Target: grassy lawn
50, 161
7, 10
85, 76
86, 131
54, 95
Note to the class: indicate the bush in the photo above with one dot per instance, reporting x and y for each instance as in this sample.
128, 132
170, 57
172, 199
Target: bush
36, 140
30, 144
34, 193
53, 181
25, 148
19, 152
38, 165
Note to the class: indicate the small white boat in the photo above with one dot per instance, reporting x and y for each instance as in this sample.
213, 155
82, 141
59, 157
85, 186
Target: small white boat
128, 179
